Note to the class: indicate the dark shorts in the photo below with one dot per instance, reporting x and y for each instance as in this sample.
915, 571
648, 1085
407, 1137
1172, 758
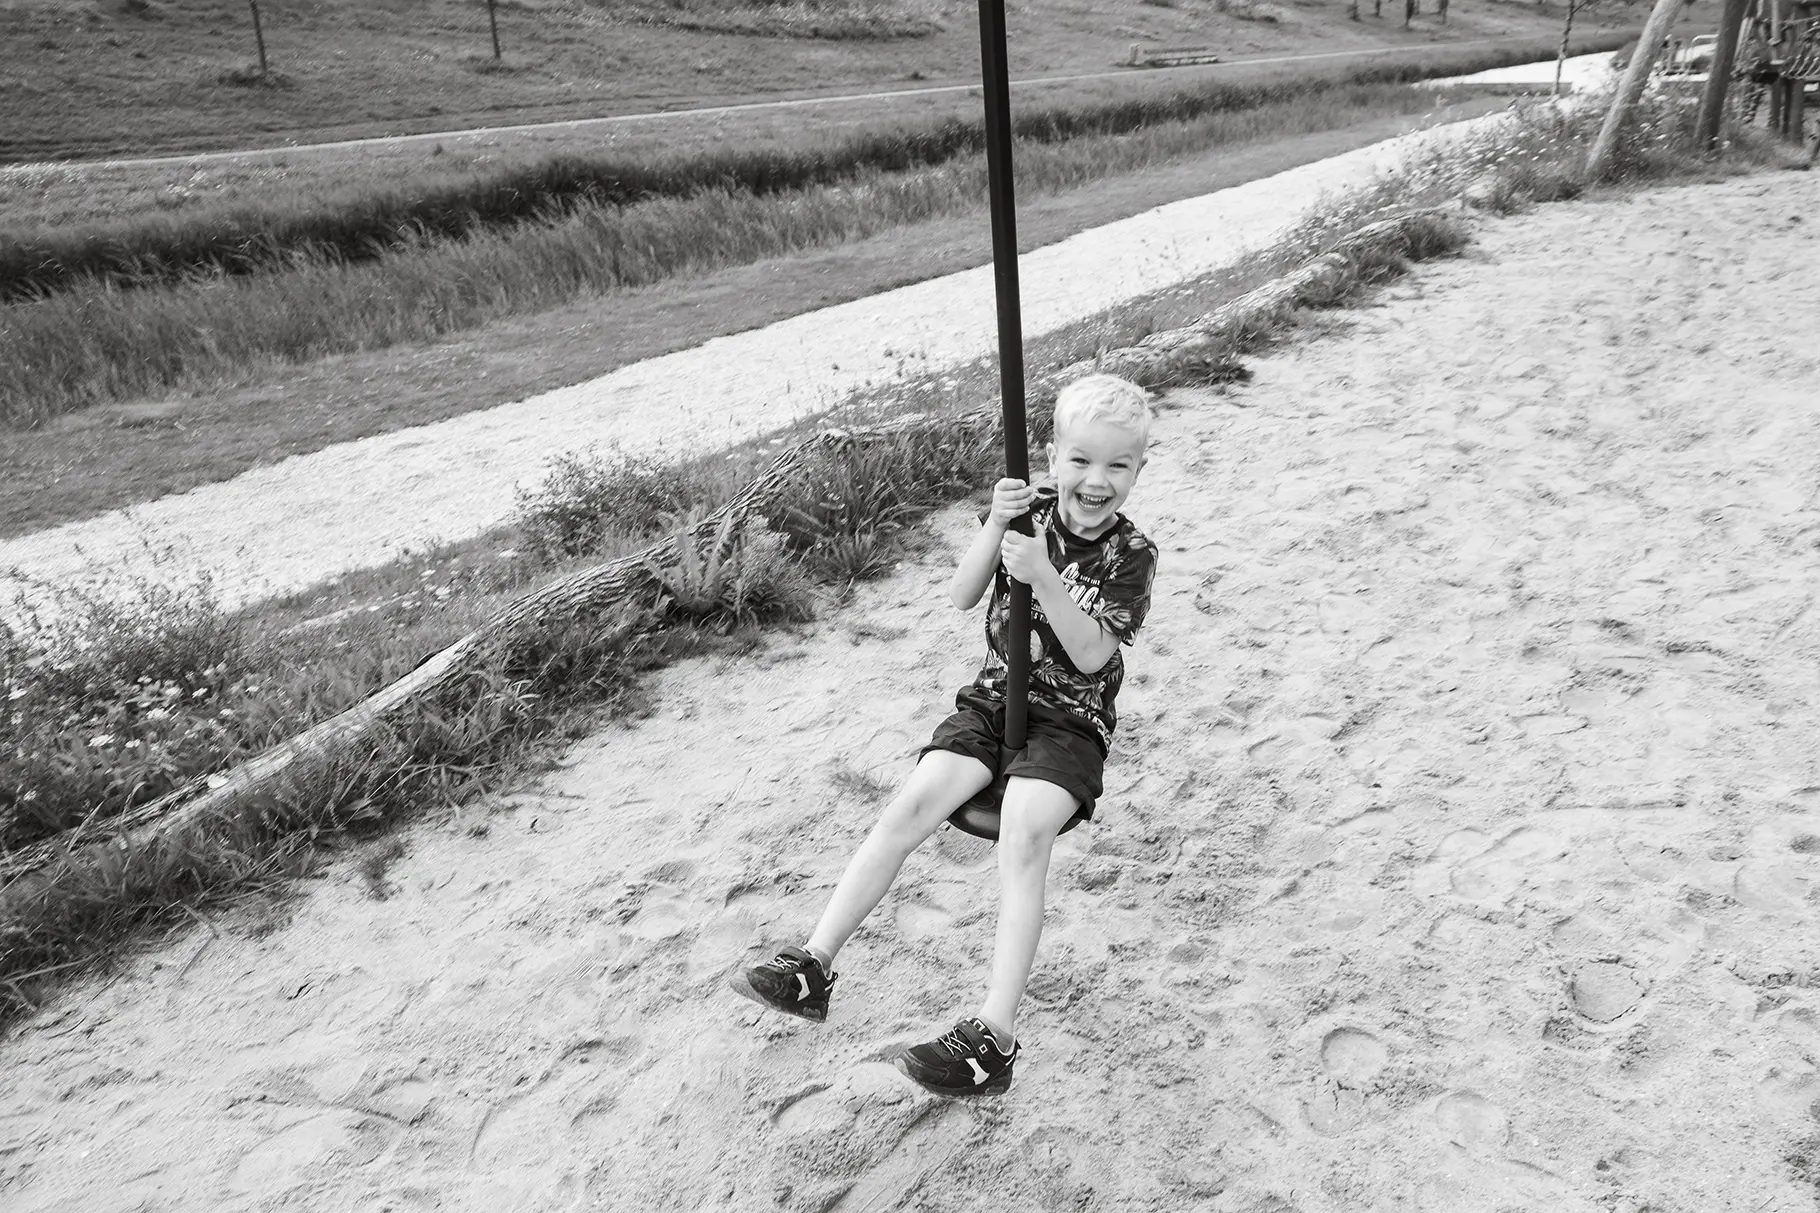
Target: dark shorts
1058, 748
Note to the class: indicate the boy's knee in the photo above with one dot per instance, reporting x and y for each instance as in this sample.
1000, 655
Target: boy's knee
1031, 817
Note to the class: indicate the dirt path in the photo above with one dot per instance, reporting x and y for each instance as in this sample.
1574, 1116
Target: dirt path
1460, 853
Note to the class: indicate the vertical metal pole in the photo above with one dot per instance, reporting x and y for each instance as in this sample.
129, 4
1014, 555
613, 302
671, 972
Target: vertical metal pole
997, 93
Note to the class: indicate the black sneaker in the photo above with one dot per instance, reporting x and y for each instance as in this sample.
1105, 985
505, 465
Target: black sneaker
793, 982
965, 1060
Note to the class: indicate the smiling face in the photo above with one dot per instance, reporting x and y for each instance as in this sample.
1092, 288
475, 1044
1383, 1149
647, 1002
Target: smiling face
1095, 464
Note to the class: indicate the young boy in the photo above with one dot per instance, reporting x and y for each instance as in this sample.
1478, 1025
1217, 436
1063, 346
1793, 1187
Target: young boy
1089, 570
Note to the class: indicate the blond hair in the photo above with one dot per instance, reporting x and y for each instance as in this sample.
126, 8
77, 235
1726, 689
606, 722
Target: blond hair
1105, 398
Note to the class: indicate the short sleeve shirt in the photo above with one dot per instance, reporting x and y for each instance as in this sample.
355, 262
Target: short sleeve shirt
1109, 578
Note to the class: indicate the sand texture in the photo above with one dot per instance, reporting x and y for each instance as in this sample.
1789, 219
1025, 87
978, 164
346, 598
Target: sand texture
1460, 850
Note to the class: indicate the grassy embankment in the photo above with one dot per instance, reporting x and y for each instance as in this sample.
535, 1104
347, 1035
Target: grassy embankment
118, 312
105, 714
139, 77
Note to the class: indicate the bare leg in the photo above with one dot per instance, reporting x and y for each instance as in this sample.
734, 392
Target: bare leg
1033, 813
941, 783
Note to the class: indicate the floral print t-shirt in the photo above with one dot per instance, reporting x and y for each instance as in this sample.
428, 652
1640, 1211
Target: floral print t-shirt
1108, 578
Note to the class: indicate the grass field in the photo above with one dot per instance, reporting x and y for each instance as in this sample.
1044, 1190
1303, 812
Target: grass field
134, 76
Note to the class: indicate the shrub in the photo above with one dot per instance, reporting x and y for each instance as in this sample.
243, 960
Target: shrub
590, 495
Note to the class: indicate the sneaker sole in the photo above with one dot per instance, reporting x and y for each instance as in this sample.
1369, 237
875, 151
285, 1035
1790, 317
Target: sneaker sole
743, 988
992, 1086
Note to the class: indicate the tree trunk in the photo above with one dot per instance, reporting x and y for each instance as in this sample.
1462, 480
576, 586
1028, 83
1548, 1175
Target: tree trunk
1719, 73
258, 34
1409, 12
1636, 74
493, 23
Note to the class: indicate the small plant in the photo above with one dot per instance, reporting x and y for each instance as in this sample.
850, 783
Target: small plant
590, 496
743, 576
857, 783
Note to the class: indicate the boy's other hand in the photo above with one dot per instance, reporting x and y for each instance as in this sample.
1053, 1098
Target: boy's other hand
1010, 501
1025, 557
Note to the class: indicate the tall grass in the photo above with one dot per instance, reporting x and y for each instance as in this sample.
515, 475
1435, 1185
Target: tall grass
103, 342
838, 20
364, 225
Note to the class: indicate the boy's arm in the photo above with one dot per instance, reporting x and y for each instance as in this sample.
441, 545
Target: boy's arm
974, 573
1089, 642
1090, 636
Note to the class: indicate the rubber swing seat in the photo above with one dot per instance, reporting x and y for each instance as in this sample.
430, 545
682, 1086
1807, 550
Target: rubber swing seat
980, 816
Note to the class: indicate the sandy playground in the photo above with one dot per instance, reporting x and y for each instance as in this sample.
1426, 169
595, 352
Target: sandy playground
1460, 851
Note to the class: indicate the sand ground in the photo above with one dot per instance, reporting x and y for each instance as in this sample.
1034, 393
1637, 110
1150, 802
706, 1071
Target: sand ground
1460, 850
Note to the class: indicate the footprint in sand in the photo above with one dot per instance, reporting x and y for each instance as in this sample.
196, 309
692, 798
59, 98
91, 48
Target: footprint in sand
1605, 991
732, 933
1522, 856
1065, 1166
1789, 1086
1352, 1058
1472, 1122
336, 1139
1774, 887
548, 1134
864, 1141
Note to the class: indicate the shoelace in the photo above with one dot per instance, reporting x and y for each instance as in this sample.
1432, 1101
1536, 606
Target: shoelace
956, 1043
785, 964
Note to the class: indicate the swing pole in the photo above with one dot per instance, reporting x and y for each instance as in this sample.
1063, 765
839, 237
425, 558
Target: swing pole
997, 94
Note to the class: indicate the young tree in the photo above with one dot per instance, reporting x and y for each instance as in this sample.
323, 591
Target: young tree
493, 23
1567, 28
1409, 12
258, 34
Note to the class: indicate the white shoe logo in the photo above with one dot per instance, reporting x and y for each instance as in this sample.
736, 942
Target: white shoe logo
804, 982
979, 1071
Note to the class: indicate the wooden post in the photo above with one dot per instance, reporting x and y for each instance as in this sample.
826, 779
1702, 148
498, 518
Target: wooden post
258, 34
1636, 74
1719, 73
493, 22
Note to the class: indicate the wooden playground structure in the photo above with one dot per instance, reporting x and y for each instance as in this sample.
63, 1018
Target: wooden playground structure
1778, 62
